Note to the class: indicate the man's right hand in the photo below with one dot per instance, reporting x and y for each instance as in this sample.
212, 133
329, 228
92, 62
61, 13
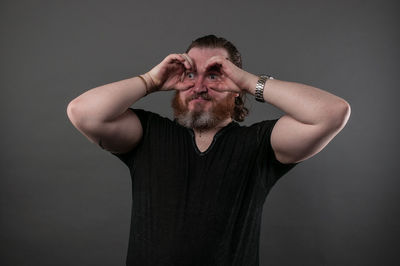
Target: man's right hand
170, 74
102, 115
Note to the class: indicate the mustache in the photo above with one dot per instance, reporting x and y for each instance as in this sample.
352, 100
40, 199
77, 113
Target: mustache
201, 95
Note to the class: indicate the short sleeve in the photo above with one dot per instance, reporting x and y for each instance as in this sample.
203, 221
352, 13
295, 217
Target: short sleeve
128, 157
274, 168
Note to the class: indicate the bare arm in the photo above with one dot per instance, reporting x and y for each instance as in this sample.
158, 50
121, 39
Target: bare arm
101, 114
313, 116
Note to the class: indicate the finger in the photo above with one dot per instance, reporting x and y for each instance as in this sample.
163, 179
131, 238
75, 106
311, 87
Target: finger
189, 59
185, 61
224, 88
226, 85
223, 65
215, 61
178, 59
184, 85
216, 66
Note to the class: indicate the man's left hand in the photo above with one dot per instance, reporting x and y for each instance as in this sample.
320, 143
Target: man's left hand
232, 78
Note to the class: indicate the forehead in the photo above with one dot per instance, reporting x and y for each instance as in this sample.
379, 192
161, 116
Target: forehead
201, 55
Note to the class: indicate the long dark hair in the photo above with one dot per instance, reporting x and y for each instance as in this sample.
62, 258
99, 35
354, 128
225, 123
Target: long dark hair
212, 41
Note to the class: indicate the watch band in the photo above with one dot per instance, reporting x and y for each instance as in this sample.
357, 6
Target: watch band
259, 94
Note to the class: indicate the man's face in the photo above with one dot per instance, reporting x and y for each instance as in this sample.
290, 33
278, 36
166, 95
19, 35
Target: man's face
200, 106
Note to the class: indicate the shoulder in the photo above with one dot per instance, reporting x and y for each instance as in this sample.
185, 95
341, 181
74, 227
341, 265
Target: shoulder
145, 116
261, 129
255, 136
156, 125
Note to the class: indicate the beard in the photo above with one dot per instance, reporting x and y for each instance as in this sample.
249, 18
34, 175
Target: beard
198, 118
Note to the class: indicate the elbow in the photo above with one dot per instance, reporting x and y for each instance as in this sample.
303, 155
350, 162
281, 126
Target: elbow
73, 112
81, 122
340, 115
77, 114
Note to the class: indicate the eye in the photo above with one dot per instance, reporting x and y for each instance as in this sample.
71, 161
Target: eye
190, 75
213, 76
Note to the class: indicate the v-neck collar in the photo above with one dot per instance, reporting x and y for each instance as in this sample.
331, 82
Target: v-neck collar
219, 133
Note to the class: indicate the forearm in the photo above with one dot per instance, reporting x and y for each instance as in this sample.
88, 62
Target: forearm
304, 103
107, 102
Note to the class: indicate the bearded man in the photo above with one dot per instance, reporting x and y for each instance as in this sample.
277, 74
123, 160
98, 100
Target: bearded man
199, 182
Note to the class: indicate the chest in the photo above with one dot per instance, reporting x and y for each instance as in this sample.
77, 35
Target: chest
203, 142
171, 169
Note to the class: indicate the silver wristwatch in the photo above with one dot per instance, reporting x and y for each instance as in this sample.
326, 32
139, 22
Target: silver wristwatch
260, 87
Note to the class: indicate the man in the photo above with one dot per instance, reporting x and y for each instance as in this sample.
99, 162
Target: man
199, 182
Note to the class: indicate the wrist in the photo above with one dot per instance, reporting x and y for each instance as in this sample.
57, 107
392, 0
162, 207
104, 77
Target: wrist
251, 83
259, 88
151, 86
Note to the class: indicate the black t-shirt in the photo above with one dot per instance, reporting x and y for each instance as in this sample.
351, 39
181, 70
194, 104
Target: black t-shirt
199, 208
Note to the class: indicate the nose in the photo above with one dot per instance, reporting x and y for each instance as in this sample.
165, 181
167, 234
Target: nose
199, 86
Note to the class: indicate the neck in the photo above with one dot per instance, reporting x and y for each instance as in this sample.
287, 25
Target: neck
212, 131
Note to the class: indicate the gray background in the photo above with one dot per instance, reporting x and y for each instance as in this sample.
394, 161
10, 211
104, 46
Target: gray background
64, 201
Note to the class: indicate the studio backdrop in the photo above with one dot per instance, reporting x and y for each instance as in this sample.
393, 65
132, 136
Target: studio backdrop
64, 201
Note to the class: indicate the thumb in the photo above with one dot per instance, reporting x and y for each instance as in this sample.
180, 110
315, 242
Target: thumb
185, 85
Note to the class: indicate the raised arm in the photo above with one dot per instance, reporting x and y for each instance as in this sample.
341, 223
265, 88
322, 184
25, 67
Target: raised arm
101, 114
313, 116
